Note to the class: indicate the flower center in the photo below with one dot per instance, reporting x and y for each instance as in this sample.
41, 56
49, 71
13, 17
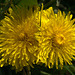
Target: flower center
60, 39
22, 36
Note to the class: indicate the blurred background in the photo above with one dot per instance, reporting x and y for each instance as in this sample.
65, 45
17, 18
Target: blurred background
63, 5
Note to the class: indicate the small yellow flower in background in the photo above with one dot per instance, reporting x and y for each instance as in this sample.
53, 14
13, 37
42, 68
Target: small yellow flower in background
18, 45
56, 38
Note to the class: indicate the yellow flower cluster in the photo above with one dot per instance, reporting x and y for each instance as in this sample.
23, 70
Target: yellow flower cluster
28, 35
18, 43
56, 38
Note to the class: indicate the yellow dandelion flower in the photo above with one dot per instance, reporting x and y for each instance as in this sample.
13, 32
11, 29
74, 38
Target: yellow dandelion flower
56, 38
18, 44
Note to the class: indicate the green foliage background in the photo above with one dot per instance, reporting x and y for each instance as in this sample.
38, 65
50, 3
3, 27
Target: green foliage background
63, 5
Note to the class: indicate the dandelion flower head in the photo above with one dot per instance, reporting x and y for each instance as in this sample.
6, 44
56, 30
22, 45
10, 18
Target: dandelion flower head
56, 38
18, 44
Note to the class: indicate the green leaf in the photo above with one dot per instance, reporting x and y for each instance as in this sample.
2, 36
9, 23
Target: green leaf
67, 67
72, 68
44, 73
28, 2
